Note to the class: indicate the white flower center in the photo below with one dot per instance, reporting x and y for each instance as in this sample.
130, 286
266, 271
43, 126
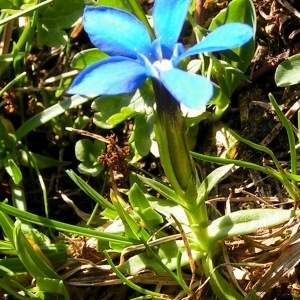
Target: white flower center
163, 65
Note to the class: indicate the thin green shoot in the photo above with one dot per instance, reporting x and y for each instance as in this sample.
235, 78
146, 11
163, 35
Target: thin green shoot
291, 137
127, 281
24, 12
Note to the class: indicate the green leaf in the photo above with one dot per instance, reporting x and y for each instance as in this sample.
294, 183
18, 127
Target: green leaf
98, 198
87, 152
60, 226
129, 283
242, 11
32, 261
86, 57
138, 11
8, 126
143, 128
111, 110
107, 106
142, 206
221, 287
13, 170
81, 122
247, 221
57, 258
8, 140
163, 190
168, 209
48, 114
168, 256
287, 73
62, 14
5, 4
236, 162
41, 161
223, 70
94, 170
50, 35
290, 176
53, 286
124, 114
4, 285
211, 181
14, 4
129, 219
137, 198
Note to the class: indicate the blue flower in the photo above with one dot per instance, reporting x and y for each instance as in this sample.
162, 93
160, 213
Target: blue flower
134, 57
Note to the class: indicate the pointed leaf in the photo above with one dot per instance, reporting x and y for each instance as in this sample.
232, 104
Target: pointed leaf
90, 192
287, 73
247, 221
210, 182
142, 131
124, 114
168, 255
242, 11
48, 114
162, 189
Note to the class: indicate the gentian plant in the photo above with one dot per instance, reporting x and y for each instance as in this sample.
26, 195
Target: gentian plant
134, 57
136, 54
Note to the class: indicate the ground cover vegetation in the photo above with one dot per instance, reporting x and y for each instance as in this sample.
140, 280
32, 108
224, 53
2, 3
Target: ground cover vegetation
149, 149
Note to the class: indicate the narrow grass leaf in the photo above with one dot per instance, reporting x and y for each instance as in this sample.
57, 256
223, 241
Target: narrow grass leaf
210, 182
48, 114
127, 281
4, 286
60, 226
162, 189
98, 198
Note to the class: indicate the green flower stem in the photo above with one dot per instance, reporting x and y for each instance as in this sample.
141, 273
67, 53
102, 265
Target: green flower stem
170, 134
170, 131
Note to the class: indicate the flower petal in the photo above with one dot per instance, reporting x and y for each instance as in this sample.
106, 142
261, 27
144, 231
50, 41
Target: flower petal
228, 36
168, 19
116, 32
194, 91
111, 76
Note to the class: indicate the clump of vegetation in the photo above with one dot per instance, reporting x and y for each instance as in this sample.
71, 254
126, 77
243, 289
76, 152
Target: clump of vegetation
132, 140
